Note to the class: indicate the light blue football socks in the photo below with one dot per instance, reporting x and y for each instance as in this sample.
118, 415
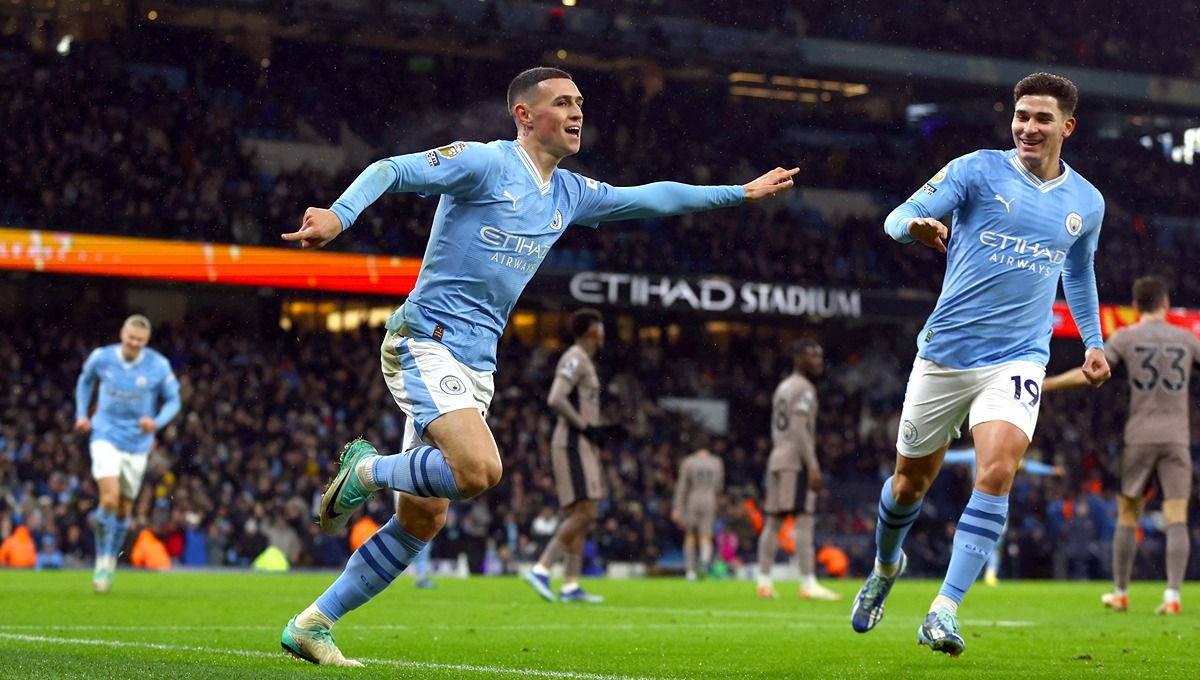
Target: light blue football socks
421, 471
894, 522
979, 528
370, 570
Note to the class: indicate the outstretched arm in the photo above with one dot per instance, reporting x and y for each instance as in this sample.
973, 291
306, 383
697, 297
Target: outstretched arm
769, 184
455, 169
605, 203
1068, 380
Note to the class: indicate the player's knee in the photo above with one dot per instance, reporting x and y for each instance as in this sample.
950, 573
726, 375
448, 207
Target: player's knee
423, 518
1129, 511
908, 489
1175, 511
477, 477
585, 511
996, 476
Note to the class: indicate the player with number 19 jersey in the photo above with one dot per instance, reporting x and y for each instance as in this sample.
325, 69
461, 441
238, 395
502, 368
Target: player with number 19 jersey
1013, 235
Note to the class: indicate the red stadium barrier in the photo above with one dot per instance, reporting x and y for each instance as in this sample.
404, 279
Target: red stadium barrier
1113, 317
70, 253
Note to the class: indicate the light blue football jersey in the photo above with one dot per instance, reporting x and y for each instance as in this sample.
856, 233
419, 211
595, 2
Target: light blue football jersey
495, 222
129, 390
1013, 236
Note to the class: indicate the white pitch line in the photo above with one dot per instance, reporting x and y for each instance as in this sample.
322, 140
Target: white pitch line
217, 628
467, 668
800, 618
998, 624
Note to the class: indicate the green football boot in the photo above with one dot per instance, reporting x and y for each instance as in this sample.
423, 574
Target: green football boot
346, 491
314, 645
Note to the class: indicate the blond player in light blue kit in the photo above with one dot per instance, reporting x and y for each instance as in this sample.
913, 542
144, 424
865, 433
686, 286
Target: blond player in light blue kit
133, 379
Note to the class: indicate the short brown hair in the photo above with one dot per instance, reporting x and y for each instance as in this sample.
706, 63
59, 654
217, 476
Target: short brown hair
528, 79
583, 320
1149, 293
1058, 87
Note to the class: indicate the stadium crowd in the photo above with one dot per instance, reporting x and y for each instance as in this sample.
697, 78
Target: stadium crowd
159, 151
128, 138
265, 414
1109, 34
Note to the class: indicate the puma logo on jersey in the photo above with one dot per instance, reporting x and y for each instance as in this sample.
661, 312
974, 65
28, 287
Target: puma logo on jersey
511, 198
1007, 204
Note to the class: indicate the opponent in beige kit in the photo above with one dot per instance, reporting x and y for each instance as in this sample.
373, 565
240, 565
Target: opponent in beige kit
575, 397
1159, 357
701, 477
793, 474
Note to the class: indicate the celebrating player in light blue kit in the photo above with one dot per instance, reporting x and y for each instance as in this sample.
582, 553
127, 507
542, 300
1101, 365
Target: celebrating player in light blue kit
1021, 218
132, 378
502, 207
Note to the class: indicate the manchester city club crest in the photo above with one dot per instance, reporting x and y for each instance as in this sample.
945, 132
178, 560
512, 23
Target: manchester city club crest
1074, 224
141, 381
908, 432
556, 223
452, 385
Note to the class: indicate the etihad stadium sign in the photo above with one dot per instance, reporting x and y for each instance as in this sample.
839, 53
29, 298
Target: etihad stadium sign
718, 295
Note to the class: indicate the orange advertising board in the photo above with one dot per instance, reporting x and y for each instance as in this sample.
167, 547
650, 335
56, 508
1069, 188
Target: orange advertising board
1113, 317
71, 253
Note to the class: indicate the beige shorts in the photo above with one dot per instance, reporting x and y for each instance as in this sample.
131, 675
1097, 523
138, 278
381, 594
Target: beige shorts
577, 473
1171, 462
699, 517
787, 493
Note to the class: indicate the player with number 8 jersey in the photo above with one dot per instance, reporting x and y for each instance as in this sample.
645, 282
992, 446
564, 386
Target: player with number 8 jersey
1022, 219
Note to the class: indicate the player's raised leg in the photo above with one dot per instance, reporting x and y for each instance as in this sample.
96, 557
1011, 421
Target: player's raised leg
900, 502
444, 401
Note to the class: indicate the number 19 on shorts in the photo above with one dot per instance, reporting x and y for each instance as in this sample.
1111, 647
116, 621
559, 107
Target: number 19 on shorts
1028, 387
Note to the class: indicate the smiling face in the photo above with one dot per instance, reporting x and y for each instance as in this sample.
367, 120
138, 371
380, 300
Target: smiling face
1039, 127
133, 339
552, 115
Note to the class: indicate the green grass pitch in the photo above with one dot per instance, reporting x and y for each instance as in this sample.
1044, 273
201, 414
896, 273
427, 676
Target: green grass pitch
226, 625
